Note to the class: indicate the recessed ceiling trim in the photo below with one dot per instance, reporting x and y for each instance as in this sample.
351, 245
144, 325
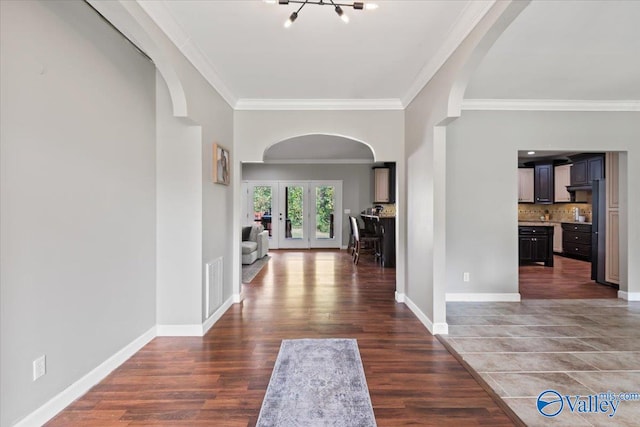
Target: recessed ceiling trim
159, 13
467, 21
548, 105
319, 104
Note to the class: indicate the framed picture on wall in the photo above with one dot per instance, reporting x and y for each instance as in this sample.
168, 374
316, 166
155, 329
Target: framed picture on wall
221, 165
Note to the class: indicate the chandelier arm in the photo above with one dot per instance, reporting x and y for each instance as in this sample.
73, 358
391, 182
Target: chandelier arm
320, 3
304, 3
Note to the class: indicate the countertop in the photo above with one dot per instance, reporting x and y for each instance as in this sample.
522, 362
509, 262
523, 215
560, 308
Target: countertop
549, 223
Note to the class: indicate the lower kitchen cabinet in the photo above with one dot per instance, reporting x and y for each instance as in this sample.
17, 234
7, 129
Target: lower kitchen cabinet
557, 238
536, 244
576, 240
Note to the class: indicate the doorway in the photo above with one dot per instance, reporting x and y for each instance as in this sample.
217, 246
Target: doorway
554, 201
297, 214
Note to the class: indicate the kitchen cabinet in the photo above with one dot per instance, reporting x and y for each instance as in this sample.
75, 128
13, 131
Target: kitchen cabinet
576, 240
562, 179
543, 183
557, 238
536, 244
586, 168
525, 185
612, 255
384, 183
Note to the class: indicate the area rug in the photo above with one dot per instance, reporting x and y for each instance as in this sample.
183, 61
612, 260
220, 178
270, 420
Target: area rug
249, 272
317, 382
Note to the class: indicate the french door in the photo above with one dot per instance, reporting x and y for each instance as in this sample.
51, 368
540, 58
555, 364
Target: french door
298, 214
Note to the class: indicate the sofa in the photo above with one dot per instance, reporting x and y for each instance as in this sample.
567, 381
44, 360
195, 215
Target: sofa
255, 243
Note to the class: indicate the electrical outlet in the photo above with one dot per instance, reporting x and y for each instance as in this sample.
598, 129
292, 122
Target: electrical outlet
347, 211
39, 367
465, 276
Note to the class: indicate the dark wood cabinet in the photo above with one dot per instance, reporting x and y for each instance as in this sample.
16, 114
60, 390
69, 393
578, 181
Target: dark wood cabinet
576, 240
536, 244
388, 256
586, 168
544, 183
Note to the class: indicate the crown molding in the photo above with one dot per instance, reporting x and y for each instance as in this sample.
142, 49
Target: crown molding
473, 12
548, 105
159, 13
318, 104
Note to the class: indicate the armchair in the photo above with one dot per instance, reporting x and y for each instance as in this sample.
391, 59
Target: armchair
255, 243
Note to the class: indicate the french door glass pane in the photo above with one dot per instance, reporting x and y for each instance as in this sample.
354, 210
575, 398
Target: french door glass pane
262, 203
294, 226
325, 206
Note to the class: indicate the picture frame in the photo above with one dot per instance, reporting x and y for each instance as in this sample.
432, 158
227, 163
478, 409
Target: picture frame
221, 165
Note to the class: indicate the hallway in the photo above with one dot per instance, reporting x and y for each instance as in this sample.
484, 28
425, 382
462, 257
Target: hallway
221, 379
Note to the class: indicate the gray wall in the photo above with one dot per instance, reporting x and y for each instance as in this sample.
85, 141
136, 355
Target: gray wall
482, 187
356, 182
77, 197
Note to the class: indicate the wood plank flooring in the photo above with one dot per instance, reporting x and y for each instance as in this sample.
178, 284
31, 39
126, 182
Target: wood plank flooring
567, 279
221, 379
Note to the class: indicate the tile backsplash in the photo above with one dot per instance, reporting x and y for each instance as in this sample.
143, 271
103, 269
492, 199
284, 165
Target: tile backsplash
557, 212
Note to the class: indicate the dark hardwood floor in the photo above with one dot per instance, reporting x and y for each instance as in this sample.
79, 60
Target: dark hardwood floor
221, 379
567, 279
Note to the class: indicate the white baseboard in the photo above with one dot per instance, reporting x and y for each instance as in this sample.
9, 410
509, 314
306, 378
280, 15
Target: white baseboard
80, 387
433, 328
217, 314
440, 329
629, 296
180, 330
196, 330
237, 298
481, 297
400, 297
343, 247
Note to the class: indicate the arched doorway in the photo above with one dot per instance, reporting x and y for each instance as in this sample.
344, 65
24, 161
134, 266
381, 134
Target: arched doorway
306, 187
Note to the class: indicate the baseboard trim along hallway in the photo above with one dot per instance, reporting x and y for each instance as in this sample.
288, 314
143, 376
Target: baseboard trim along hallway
84, 384
471, 297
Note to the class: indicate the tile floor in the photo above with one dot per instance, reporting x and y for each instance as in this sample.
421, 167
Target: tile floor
576, 347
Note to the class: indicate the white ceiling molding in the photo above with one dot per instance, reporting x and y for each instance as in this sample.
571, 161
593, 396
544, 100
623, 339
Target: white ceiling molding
548, 105
467, 21
159, 13
318, 104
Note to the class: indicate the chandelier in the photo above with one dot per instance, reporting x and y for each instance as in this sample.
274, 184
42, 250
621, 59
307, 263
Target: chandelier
356, 5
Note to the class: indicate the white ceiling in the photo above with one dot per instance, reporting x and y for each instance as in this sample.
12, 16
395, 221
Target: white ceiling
569, 50
379, 55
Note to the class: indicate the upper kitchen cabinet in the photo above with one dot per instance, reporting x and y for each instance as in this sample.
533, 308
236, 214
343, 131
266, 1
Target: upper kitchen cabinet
525, 185
586, 168
562, 180
384, 183
543, 183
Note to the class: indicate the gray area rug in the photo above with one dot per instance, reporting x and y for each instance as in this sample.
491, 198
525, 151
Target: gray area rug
317, 382
249, 272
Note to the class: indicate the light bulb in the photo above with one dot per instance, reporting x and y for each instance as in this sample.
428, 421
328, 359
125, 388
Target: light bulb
292, 18
370, 6
341, 14
270, 1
